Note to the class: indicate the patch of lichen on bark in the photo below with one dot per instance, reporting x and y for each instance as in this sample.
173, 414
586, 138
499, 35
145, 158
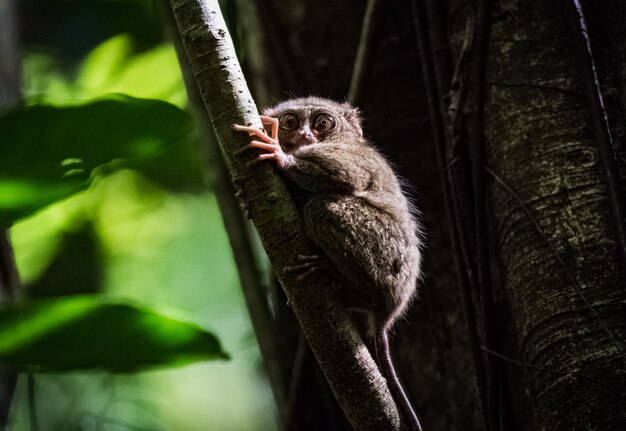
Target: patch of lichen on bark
539, 141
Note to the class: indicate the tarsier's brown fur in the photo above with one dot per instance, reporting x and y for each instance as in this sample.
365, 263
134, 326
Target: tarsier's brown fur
354, 210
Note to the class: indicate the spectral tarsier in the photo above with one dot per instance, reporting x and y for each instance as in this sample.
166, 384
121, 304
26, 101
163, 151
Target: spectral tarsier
354, 210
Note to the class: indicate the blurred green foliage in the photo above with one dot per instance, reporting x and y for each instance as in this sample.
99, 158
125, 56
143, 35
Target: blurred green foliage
83, 331
51, 152
105, 195
112, 67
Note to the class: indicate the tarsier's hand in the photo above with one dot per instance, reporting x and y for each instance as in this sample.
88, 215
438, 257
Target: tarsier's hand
268, 143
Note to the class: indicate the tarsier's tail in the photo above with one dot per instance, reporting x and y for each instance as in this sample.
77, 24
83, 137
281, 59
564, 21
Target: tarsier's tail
388, 370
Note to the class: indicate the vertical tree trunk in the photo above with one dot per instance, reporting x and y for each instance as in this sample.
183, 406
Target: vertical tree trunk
554, 234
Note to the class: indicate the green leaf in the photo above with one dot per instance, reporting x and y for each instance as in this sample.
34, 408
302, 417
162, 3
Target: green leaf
87, 332
48, 152
103, 64
113, 67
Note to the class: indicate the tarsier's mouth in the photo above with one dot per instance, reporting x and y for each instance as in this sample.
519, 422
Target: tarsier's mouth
299, 142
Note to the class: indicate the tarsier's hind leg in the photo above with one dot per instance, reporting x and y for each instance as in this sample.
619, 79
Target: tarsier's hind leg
317, 262
308, 265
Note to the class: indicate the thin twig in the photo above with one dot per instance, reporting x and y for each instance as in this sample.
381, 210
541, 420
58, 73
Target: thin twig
474, 139
466, 121
466, 213
438, 128
455, 117
282, 57
363, 61
452, 161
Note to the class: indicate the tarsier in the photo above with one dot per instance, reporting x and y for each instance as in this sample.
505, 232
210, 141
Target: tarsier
354, 211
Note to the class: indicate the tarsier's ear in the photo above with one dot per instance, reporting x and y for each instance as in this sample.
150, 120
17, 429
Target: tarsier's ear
353, 115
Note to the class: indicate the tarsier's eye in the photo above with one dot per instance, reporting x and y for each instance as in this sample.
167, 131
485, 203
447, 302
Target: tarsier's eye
323, 122
289, 122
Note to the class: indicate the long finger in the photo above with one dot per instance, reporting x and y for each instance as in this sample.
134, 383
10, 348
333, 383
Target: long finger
256, 144
252, 131
260, 158
273, 123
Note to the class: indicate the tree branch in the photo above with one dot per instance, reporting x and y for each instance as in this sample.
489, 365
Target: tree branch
363, 61
460, 132
475, 140
446, 99
237, 230
349, 368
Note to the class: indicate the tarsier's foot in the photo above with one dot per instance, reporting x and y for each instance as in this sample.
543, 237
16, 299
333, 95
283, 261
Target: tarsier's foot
269, 144
309, 265
318, 262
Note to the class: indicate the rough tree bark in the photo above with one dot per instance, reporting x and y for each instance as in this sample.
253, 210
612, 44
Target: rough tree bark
348, 366
554, 234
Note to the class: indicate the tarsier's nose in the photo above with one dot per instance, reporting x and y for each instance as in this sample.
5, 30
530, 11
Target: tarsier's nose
305, 131
306, 136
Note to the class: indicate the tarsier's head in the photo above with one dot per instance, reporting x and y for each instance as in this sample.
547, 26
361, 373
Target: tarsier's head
313, 120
